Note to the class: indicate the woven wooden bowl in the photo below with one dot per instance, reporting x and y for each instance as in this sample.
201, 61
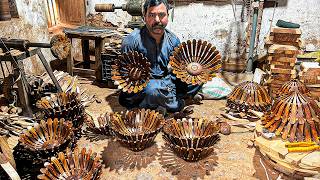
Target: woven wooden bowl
294, 117
47, 136
63, 105
131, 72
191, 139
293, 85
136, 129
73, 165
249, 95
194, 62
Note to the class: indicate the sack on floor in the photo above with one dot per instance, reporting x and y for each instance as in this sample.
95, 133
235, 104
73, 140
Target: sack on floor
215, 89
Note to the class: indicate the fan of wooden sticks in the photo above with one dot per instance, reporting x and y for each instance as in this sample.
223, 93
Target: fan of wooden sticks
295, 117
131, 72
293, 85
73, 165
249, 95
194, 62
191, 139
136, 129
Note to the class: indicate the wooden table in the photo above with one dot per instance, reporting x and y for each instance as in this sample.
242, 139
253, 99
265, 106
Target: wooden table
86, 33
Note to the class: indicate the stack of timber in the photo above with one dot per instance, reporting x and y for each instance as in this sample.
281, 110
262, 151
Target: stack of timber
283, 48
310, 76
294, 164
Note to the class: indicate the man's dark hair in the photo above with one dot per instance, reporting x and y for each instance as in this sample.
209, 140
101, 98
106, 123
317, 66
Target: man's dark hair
150, 3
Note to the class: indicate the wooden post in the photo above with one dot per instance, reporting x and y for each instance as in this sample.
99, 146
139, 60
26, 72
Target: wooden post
70, 58
98, 49
85, 53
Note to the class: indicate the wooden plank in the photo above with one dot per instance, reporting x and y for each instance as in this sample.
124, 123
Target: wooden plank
71, 11
312, 159
282, 59
282, 71
82, 71
291, 31
283, 49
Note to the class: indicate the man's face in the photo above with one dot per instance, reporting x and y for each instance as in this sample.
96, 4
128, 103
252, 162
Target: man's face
156, 19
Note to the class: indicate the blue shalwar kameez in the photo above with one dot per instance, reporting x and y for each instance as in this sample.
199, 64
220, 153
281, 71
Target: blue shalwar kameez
163, 89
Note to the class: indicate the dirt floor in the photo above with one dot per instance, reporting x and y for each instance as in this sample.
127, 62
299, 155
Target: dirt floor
233, 159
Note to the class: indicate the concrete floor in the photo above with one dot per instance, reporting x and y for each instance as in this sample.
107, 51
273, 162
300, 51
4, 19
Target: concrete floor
232, 158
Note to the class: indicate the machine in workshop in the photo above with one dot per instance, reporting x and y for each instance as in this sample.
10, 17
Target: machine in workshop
133, 7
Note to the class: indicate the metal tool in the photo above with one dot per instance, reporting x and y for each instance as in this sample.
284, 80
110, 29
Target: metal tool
133, 7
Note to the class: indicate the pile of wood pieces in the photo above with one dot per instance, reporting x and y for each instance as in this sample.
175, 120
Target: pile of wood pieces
13, 124
283, 47
277, 153
43, 86
310, 76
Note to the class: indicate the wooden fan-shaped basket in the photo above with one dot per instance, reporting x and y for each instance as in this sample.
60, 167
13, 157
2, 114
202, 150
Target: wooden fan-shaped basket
194, 62
63, 105
295, 117
191, 139
293, 85
136, 129
131, 72
47, 136
249, 95
73, 165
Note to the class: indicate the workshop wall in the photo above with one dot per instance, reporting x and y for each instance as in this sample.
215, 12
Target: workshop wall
31, 25
217, 23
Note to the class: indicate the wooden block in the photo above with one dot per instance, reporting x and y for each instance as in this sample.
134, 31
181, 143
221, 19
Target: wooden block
282, 71
290, 60
282, 77
283, 49
281, 63
269, 41
295, 157
312, 159
279, 30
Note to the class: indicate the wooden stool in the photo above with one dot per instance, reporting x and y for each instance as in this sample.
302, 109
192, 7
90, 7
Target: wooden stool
86, 33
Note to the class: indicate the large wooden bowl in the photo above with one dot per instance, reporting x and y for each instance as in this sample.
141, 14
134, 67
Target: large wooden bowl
73, 165
191, 139
136, 129
194, 62
47, 136
63, 105
295, 117
249, 95
131, 72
